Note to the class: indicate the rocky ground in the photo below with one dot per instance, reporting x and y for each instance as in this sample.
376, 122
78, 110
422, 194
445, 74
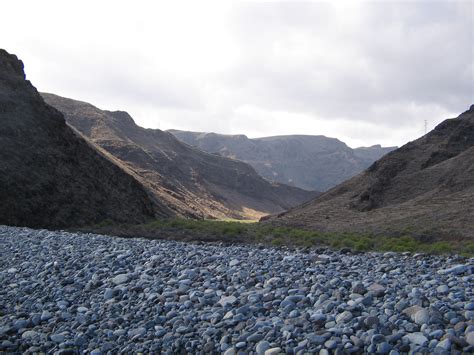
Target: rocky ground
72, 293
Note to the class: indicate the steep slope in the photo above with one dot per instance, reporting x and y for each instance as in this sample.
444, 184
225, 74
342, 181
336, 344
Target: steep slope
50, 177
309, 162
423, 188
192, 182
371, 154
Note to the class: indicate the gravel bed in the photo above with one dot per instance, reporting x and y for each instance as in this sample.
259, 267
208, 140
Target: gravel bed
84, 293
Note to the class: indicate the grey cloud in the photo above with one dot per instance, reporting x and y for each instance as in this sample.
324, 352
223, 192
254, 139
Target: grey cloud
400, 54
374, 68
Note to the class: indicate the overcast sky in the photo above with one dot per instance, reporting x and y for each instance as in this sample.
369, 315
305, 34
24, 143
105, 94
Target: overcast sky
363, 72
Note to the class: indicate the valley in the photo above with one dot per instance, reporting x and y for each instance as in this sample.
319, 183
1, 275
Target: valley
186, 181
117, 238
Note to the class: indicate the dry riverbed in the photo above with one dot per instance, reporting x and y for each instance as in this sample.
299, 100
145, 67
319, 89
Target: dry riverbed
64, 292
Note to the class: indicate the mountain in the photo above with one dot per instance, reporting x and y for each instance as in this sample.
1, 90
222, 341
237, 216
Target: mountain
308, 162
191, 182
424, 188
49, 176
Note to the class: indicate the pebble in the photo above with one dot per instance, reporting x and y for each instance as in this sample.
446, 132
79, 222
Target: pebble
262, 346
384, 348
108, 294
330, 344
470, 338
442, 289
234, 262
120, 295
445, 344
455, 270
120, 279
29, 334
20, 323
46, 315
422, 317
416, 338
376, 289
230, 351
227, 301
57, 338
344, 317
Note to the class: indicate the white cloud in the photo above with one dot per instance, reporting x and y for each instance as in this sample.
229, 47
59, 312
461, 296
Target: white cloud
364, 72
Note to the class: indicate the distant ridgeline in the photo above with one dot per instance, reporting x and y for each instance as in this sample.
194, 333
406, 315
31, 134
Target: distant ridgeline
309, 162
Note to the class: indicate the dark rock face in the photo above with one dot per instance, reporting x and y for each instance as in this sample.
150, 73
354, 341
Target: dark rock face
50, 177
424, 188
188, 181
309, 162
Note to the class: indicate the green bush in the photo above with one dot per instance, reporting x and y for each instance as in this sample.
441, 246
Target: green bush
246, 231
439, 248
399, 244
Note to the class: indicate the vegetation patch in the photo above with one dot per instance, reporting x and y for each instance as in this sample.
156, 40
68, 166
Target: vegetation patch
233, 231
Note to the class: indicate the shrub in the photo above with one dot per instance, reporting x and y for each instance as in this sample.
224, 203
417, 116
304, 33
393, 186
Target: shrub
247, 231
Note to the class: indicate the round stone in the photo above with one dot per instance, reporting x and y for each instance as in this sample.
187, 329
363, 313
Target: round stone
444, 344
330, 344
262, 346
20, 323
121, 279
344, 317
57, 338
30, 334
384, 348
240, 345
470, 338
422, 317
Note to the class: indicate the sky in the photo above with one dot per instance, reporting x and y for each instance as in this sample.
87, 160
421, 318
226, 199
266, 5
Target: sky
364, 72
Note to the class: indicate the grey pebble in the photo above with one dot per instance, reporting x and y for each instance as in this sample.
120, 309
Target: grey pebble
95, 294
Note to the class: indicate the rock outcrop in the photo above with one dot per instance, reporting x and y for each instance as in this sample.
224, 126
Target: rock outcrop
49, 176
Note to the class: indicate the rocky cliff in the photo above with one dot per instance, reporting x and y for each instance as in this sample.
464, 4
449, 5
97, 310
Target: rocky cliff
49, 176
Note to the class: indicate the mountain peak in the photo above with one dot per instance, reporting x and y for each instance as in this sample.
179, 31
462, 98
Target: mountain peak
48, 174
122, 117
10, 65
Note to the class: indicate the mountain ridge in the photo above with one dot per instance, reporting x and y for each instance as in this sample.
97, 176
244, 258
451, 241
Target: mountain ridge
425, 188
307, 161
192, 183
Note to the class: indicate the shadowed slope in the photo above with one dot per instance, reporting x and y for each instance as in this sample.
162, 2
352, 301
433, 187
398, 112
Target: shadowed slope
49, 176
423, 188
192, 183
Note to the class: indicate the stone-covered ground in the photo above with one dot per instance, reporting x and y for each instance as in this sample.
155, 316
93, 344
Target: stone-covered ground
73, 293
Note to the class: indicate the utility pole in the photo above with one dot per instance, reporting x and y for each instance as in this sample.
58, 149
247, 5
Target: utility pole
426, 126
